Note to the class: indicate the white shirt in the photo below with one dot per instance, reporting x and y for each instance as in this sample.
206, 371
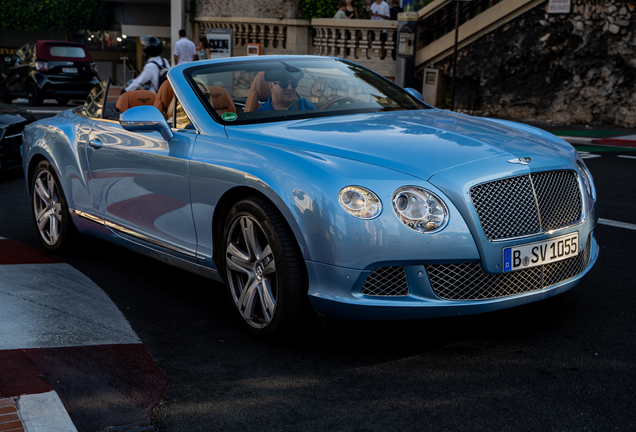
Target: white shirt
184, 49
150, 73
382, 9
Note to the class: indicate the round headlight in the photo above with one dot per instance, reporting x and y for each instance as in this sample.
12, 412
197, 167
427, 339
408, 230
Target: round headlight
360, 202
586, 176
420, 209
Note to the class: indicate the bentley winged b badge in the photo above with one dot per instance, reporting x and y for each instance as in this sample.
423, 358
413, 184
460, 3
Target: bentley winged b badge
522, 161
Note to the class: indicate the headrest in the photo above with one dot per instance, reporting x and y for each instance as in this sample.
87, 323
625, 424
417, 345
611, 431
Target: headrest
135, 98
288, 74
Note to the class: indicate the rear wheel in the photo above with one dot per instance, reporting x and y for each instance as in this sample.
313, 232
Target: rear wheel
263, 270
62, 101
50, 210
33, 95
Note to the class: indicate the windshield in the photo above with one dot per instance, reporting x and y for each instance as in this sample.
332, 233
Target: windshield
246, 92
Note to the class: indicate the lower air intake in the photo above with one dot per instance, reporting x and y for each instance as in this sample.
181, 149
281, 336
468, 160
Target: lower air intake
386, 282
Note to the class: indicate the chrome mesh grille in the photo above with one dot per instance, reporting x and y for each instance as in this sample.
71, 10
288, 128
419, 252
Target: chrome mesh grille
468, 281
386, 282
507, 208
559, 198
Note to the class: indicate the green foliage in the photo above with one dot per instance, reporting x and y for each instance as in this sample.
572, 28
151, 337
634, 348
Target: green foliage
67, 15
324, 8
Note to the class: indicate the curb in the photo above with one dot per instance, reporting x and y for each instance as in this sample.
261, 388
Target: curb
605, 142
44, 412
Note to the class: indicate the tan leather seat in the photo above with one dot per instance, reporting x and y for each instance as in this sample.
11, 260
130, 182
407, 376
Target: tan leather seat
220, 100
165, 95
259, 90
135, 98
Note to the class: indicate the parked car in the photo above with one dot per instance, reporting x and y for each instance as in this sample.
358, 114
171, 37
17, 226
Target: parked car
48, 70
360, 201
12, 122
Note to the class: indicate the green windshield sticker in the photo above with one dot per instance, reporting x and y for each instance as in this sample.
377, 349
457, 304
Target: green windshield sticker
229, 116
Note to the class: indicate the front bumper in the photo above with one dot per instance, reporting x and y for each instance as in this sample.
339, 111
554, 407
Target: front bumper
336, 291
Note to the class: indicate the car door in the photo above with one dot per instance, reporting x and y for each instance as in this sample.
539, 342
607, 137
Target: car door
141, 182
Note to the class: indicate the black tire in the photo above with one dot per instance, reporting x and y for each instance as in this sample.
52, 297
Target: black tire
62, 101
264, 271
50, 210
5, 96
33, 95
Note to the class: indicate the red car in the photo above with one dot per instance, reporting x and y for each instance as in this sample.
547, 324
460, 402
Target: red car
48, 70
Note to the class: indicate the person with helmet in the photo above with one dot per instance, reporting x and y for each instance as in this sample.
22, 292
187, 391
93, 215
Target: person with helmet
151, 47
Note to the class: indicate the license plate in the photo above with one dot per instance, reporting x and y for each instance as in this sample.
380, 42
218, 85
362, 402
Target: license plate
540, 253
69, 70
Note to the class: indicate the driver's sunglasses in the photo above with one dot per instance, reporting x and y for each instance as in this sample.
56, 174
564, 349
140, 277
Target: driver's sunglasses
285, 84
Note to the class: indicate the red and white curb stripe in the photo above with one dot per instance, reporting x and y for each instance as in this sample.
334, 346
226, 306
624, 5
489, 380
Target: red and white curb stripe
60, 337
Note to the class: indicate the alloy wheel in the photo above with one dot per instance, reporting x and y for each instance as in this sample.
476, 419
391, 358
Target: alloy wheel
47, 208
251, 271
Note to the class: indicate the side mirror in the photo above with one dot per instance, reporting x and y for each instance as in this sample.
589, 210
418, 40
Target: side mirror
414, 93
145, 118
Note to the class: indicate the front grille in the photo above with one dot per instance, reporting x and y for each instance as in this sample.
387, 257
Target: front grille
386, 282
468, 281
528, 204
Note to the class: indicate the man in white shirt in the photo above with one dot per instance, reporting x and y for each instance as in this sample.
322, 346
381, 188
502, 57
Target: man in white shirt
380, 10
184, 49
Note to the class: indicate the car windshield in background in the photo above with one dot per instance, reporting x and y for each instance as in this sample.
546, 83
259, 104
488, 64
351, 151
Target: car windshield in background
67, 51
283, 89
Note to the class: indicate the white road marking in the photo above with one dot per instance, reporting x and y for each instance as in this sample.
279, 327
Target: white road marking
55, 305
617, 224
626, 157
588, 155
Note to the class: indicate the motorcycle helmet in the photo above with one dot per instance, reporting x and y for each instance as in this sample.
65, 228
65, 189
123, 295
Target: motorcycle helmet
151, 46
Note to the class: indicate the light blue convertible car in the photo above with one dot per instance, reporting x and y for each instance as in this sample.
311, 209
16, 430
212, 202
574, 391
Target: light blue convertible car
313, 183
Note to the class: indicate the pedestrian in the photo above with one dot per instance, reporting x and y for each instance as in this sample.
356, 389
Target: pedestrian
351, 11
204, 48
184, 49
395, 10
342, 7
380, 10
149, 76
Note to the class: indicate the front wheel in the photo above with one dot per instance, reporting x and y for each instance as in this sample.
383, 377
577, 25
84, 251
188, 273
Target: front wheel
50, 210
263, 270
33, 95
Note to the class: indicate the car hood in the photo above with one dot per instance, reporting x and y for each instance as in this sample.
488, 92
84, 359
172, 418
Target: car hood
10, 116
420, 143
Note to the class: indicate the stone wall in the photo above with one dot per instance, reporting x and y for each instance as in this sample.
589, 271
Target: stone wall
571, 68
281, 9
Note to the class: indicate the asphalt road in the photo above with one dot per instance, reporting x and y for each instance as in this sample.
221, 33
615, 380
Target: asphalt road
564, 364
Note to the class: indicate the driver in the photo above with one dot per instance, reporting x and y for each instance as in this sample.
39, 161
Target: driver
282, 84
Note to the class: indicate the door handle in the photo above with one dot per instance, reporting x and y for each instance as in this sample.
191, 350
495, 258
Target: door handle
96, 144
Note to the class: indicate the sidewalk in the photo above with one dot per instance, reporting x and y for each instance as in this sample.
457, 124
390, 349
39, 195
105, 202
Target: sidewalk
69, 360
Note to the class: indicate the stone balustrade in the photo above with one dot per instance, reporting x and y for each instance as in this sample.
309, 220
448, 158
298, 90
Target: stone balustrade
286, 36
370, 43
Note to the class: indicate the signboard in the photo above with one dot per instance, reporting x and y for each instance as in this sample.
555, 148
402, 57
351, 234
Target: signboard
559, 6
220, 40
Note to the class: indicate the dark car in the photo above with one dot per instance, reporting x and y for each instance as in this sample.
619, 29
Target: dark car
12, 121
48, 70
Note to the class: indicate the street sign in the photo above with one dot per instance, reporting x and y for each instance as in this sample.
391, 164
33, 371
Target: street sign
220, 40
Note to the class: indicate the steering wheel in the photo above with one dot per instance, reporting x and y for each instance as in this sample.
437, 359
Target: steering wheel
337, 100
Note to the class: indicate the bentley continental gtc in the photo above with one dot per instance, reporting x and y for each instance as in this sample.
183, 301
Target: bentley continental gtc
313, 184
